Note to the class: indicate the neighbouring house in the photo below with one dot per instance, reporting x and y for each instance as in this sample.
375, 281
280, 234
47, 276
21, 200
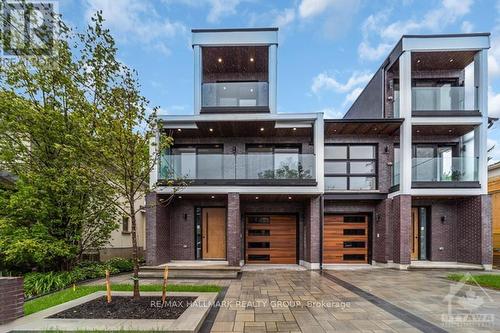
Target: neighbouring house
494, 190
120, 241
400, 181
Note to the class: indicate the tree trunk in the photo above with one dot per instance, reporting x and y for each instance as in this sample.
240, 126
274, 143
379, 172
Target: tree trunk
135, 255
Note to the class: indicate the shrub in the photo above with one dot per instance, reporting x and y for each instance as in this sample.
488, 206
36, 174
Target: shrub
41, 283
121, 264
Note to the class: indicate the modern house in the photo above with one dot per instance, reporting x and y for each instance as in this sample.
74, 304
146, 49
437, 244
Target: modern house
400, 181
494, 191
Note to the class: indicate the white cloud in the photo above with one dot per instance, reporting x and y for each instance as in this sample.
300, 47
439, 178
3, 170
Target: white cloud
217, 9
135, 21
434, 20
310, 8
324, 81
494, 55
493, 103
366, 51
467, 27
220, 8
331, 113
284, 18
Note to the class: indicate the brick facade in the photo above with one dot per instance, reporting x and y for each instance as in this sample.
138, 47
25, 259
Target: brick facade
474, 227
312, 231
401, 228
157, 230
11, 306
380, 227
464, 236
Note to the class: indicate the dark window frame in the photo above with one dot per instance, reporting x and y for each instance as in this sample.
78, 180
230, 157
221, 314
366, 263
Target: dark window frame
348, 175
125, 223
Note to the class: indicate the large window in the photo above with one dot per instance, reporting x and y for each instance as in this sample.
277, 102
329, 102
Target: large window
350, 167
273, 162
197, 162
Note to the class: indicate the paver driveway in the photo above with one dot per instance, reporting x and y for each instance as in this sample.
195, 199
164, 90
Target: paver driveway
374, 300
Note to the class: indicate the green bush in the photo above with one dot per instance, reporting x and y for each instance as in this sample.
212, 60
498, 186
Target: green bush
41, 283
121, 264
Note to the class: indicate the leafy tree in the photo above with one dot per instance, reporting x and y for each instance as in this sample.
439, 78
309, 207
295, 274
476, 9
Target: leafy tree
49, 104
126, 132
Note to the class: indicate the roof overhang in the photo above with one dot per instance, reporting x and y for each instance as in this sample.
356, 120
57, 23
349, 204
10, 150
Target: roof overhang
283, 117
226, 37
362, 126
448, 42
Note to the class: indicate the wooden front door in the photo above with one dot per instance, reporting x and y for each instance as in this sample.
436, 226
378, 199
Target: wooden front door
414, 241
345, 239
271, 239
213, 233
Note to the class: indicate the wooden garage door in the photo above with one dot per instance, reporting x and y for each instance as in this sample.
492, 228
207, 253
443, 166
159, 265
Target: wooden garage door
345, 239
271, 239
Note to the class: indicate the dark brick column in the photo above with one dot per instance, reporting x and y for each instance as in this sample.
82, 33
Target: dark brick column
11, 306
312, 231
157, 230
401, 228
474, 229
380, 226
233, 229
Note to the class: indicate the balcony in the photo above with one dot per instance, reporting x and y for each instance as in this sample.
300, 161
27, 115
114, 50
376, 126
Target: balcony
235, 95
239, 169
441, 172
429, 100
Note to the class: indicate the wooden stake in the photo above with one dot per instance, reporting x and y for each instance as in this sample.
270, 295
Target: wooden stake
164, 288
108, 287
74, 287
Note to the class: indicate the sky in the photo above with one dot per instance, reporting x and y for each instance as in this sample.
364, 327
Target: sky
328, 49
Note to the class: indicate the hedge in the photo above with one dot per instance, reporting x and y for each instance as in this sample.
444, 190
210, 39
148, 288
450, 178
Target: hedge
38, 283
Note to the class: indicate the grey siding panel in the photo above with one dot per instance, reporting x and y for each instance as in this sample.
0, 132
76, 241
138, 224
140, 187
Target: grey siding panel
369, 103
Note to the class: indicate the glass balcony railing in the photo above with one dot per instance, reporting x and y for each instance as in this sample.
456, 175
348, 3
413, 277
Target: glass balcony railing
438, 99
445, 169
235, 94
440, 169
395, 174
237, 167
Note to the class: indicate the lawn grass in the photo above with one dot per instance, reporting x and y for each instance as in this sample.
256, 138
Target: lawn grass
484, 280
66, 295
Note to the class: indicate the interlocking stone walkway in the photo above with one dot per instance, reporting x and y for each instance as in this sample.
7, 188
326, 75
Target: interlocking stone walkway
295, 301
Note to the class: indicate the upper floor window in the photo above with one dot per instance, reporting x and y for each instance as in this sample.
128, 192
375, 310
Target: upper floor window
440, 81
350, 167
235, 76
281, 162
197, 162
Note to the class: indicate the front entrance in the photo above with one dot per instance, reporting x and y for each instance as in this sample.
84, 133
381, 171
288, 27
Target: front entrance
345, 239
271, 239
419, 233
414, 241
213, 231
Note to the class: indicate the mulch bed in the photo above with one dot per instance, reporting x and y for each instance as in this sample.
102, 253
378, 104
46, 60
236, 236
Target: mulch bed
124, 307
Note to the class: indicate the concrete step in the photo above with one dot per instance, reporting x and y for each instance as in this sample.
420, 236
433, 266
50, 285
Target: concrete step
444, 265
190, 272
